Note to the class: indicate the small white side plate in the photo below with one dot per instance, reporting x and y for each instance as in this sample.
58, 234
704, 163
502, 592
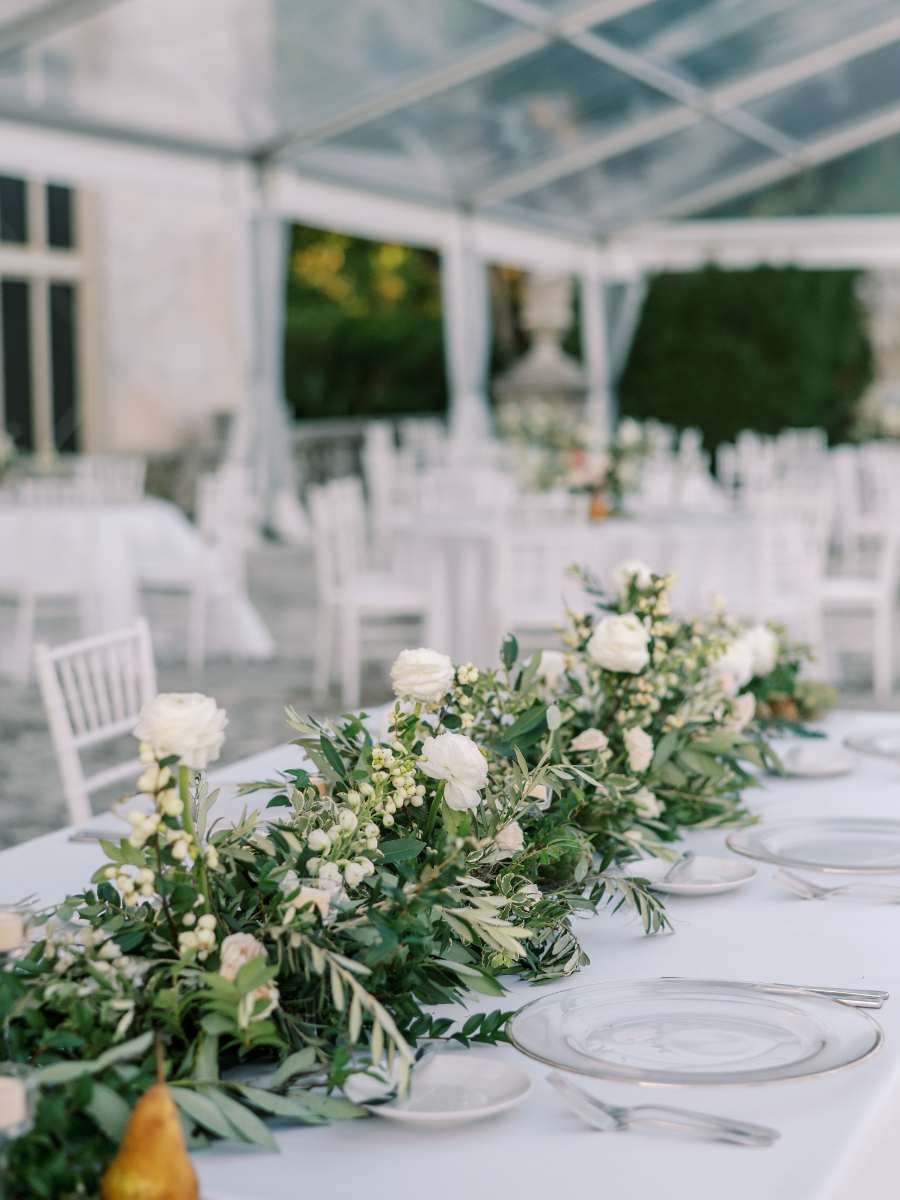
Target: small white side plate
816, 760
448, 1089
702, 876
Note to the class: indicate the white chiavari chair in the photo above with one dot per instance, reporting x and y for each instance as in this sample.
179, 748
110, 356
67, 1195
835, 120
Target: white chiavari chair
116, 478
93, 690
354, 600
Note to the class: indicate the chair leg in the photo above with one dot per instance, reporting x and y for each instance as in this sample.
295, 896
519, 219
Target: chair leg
24, 636
198, 611
349, 632
883, 654
323, 653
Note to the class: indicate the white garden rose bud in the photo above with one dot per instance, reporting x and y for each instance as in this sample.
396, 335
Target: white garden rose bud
353, 874
639, 748
743, 710
423, 675
456, 759
620, 644
510, 839
590, 739
319, 840
763, 645
646, 804
735, 667
185, 724
236, 950
551, 667
153, 780
631, 569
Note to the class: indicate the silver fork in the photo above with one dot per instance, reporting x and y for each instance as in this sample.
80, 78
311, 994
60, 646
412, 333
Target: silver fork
608, 1117
808, 890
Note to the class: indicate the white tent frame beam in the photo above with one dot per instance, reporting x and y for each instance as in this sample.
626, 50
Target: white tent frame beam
822, 150
716, 101
47, 19
472, 66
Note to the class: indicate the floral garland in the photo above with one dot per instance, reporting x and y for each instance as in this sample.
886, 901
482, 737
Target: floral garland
270, 960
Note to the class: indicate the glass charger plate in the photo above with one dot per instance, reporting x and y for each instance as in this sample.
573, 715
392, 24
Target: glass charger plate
685, 1031
884, 743
846, 845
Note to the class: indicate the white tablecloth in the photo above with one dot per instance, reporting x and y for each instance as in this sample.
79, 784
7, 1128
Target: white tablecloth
128, 544
839, 1132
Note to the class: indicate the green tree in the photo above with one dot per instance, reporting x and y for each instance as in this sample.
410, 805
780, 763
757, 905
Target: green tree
763, 349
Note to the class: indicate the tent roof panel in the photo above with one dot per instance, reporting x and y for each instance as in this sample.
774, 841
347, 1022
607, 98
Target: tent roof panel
584, 115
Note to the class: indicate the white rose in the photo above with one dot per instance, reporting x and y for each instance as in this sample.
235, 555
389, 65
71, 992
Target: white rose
552, 667
423, 675
185, 724
455, 758
743, 710
639, 747
237, 949
632, 569
590, 739
764, 649
646, 804
620, 644
510, 838
735, 668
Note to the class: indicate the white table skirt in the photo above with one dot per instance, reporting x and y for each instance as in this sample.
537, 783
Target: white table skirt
128, 544
839, 1132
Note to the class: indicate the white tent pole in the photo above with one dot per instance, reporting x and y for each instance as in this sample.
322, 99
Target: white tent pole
261, 439
467, 327
595, 345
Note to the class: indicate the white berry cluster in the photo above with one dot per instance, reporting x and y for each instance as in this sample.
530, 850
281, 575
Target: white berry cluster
132, 888
200, 935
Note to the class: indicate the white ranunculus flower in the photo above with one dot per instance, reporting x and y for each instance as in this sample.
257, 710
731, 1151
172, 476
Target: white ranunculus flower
590, 739
620, 644
456, 759
423, 675
510, 838
743, 710
185, 724
639, 747
763, 645
646, 804
236, 950
634, 569
735, 668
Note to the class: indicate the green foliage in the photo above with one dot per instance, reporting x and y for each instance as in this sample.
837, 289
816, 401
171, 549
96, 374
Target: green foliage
363, 330
764, 349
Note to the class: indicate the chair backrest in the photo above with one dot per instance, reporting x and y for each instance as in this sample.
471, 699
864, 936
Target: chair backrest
340, 537
227, 516
117, 478
93, 691
57, 491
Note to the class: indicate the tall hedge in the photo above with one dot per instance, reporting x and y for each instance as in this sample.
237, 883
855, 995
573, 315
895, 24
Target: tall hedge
763, 349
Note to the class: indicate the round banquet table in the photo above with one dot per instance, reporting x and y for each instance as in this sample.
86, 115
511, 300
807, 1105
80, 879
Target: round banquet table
117, 548
710, 554
839, 1139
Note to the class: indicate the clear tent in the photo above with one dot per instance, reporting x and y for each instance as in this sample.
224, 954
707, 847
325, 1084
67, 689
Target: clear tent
537, 131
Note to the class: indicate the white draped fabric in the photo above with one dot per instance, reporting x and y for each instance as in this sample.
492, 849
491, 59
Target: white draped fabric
838, 1131
467, 333
595, 349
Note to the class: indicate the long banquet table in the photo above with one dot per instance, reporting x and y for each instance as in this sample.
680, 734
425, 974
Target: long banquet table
839, 1132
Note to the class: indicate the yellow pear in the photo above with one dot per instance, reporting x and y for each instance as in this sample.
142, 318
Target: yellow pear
152, 1162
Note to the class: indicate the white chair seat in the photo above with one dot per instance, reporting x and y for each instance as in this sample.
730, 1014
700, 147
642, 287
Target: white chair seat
373, 592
